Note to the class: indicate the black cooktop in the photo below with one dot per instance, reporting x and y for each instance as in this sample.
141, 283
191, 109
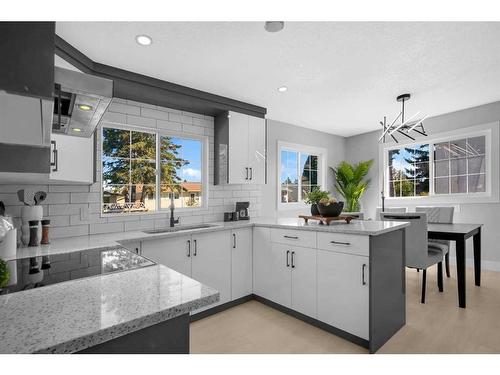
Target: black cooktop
40, 271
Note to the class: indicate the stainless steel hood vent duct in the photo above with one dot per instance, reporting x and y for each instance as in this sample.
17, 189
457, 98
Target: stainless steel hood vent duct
80, 101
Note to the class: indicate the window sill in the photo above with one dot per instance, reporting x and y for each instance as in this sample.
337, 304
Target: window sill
444, 199
163, 211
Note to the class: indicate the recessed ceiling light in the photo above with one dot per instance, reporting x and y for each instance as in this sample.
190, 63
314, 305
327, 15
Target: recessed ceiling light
282, 88
85, 107
78, 130
143, 40
274, 26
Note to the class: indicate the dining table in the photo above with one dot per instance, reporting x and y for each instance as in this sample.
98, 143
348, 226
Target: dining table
460, 232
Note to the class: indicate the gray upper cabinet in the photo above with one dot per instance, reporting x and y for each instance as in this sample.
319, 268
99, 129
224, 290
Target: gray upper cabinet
27, 63
240, 149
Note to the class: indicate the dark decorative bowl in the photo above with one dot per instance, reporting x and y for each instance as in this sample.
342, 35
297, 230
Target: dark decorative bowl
314, 209
332, 210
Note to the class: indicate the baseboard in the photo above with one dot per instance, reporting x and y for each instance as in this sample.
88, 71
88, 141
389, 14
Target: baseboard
485, 264
220, 308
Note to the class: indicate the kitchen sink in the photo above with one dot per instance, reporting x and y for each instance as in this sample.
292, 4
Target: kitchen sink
179, 228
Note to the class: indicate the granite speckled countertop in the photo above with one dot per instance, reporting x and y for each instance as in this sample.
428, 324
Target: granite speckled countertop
74, 315
110, 240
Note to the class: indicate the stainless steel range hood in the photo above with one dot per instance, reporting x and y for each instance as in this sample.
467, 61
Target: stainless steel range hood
80, 101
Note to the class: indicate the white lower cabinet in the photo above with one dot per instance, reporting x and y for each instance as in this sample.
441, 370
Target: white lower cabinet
280, 276
241, 263
171, 252
261, 262
303, 263
205, 257
211, 262
343, 291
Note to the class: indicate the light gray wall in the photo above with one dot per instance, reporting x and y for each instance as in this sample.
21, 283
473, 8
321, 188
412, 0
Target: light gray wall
365, 146
279, 131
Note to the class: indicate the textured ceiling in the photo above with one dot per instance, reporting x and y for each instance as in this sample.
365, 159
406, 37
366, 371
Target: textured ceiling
342, 78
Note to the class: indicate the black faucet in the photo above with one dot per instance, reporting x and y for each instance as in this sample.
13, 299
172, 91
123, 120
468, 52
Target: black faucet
172, 207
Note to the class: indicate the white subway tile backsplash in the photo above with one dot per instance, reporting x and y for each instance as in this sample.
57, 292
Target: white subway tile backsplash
66, 202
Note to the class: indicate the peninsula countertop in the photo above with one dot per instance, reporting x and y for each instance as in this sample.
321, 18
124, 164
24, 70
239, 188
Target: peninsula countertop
110, 240
74, 315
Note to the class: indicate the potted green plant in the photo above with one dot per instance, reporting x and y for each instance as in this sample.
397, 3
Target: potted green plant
351, 182
4, 274
313, 198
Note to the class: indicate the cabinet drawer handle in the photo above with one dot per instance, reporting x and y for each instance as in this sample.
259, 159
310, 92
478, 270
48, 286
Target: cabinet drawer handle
246, 178
341, 243
363, 274
189, 248
251, 173
195, 252
288, 258
234, 241
293, 259
291, 237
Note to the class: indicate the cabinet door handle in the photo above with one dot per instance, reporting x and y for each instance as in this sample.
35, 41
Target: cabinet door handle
363, 267
293, 259
137, 250
251, 173
292, 237
234, 241
341, 243
195, 252
189, 248
55, 155
288, 258
246, 168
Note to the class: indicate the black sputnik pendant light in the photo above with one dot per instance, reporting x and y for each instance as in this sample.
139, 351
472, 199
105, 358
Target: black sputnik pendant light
405, 127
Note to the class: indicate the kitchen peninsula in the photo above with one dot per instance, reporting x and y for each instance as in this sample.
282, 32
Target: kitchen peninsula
276, 261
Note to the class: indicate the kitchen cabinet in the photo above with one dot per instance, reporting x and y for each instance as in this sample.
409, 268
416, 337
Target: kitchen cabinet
343, 291
240, 149
171, 252
303, 270
262, 270
27, 63
241, 263
206, 257
280, 276
73, 159
211, 262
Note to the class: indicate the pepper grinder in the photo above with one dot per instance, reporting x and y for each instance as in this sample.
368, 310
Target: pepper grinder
45, 232
33, 225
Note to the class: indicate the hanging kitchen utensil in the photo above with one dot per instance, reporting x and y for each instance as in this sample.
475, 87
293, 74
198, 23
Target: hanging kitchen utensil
40, 197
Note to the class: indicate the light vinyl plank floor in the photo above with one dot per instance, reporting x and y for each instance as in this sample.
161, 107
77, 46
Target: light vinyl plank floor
438, 326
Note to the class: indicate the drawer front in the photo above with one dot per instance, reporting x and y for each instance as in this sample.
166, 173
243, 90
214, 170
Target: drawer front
344, 243
293, 237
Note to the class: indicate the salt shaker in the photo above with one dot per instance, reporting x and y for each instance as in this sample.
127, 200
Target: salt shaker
45, 232
33, 225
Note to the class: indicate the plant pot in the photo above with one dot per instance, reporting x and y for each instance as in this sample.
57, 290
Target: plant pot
332, 210
314, 209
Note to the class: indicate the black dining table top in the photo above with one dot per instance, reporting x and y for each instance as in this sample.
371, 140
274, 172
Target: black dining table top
455, 228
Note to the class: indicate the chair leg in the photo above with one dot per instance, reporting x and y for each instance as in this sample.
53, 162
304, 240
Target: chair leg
440, 276
418, 269
424, 280
447, 264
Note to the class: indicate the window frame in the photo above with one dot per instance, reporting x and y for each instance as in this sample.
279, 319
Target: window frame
299, 148
489, 131
158, 132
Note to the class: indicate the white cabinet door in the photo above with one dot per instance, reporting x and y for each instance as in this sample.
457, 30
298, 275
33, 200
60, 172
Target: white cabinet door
261, 262
303, 263
238, 148
281, 275
211, 262
134, 247
257, 150
171, 252
241, 263
75, 159
343, 292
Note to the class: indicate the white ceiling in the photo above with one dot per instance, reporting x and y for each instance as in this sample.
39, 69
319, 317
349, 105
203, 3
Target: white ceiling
342, 78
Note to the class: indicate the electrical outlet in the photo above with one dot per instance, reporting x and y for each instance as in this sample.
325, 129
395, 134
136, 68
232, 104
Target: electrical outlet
84, 213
